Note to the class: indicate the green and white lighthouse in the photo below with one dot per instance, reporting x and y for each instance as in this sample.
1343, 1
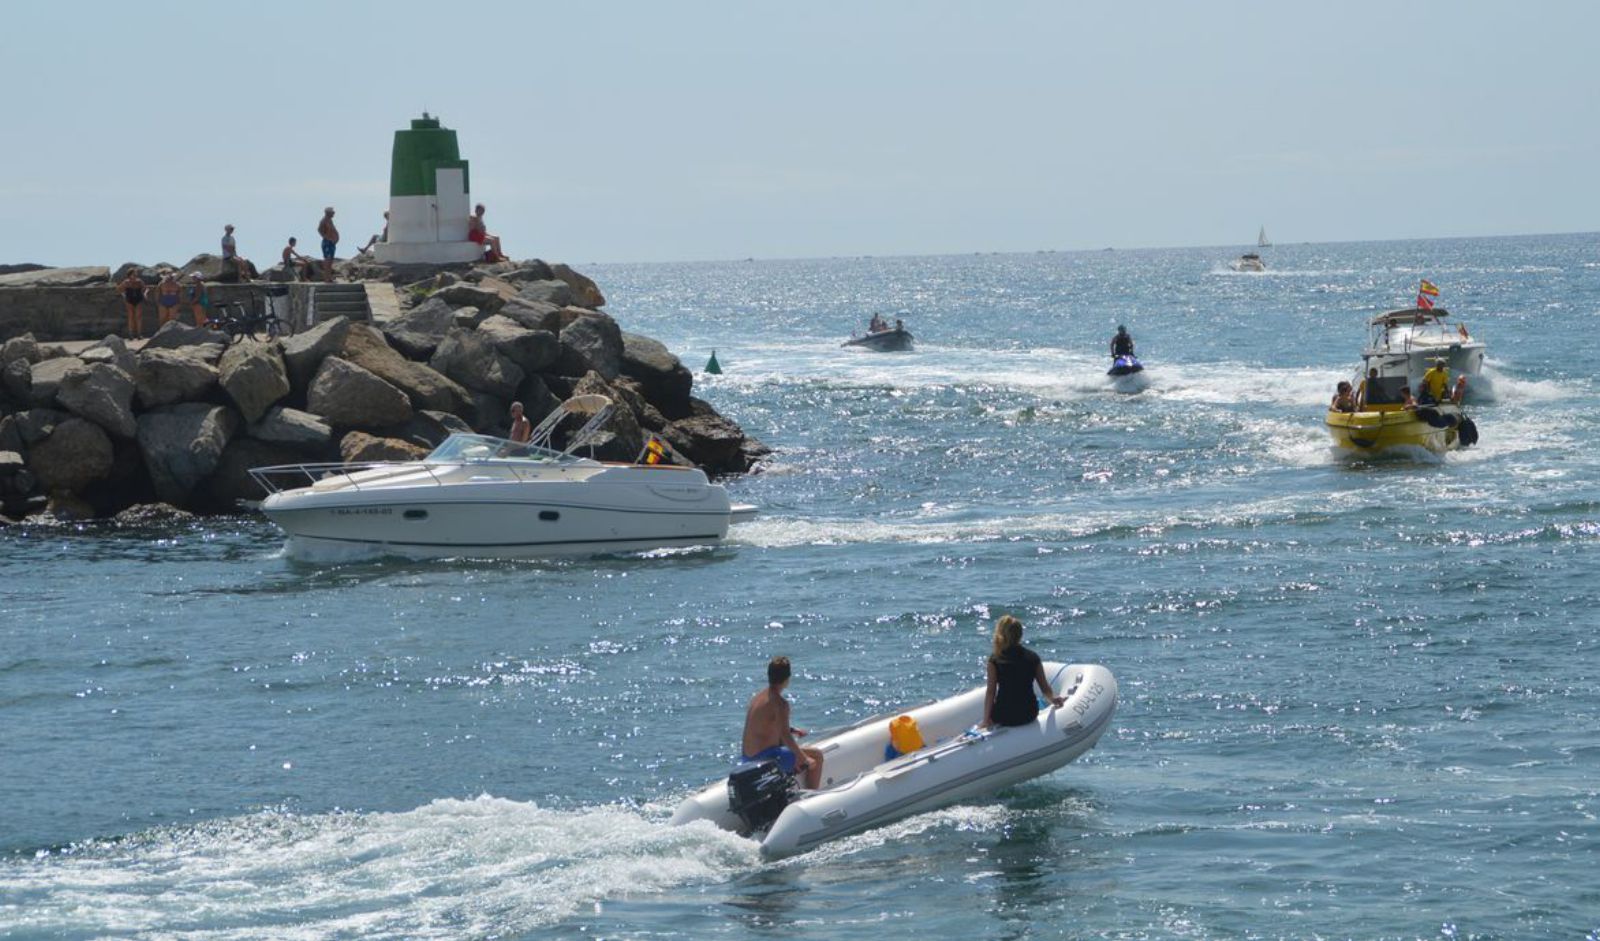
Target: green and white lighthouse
428, 199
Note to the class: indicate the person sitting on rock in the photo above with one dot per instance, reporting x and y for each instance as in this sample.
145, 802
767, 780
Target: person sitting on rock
479, 233
381, 237
294, 263
230, 256
133, 291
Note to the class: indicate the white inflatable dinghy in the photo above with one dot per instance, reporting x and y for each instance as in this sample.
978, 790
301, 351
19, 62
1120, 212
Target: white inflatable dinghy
866, 786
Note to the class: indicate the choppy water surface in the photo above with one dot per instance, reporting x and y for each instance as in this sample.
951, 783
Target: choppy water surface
1359, 699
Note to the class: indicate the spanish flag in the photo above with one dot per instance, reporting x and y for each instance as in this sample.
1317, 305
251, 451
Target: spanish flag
1426, 292
654, 451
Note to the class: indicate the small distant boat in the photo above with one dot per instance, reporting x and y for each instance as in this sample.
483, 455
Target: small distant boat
868, 784
1261, 240
1249, 261
882, 338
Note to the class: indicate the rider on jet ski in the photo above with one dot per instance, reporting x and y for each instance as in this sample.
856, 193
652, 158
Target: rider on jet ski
1122, 343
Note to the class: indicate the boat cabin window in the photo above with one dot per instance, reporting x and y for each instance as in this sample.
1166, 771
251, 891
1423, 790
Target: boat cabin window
485, 448
1385, 390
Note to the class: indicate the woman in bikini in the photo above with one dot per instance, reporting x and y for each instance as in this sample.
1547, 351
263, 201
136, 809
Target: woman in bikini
133, 290
168, 294
194, 293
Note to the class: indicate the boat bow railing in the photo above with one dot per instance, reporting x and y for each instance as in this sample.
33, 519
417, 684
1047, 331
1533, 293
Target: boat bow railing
281, 477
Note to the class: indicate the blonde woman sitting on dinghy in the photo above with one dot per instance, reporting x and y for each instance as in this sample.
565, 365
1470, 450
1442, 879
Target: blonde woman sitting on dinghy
1013, 671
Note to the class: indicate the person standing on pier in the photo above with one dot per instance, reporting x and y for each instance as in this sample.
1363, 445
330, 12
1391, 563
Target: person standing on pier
330, 242
133, 291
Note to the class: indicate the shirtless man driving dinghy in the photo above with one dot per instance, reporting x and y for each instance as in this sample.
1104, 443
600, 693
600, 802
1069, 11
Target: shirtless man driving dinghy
768, 736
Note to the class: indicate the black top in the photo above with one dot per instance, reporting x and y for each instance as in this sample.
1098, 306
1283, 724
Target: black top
1122, 345
1014, 702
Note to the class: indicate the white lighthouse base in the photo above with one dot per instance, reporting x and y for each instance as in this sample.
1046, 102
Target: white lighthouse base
427, 253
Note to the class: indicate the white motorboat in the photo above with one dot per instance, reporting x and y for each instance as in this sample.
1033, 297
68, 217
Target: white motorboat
1422, 335
866, 786
487, 497
1248, 262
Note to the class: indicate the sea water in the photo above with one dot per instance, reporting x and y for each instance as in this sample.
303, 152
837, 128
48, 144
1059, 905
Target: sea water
1359, 698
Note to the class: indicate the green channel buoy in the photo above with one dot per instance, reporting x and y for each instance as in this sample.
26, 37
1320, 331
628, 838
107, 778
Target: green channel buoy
712, 366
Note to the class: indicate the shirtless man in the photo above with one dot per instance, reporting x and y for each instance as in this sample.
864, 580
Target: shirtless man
768, 734
293, 262
330, 242
521, 428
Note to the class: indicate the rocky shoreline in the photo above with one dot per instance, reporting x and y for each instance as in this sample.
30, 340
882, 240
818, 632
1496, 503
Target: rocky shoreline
183, 419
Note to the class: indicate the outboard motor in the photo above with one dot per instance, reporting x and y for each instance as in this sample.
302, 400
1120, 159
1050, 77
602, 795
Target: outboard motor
758, 793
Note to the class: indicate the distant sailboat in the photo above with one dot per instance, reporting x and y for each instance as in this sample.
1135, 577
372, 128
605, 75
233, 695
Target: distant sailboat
1261, 240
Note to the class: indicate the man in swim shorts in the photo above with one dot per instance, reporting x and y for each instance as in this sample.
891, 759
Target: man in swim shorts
768, 736
330, 242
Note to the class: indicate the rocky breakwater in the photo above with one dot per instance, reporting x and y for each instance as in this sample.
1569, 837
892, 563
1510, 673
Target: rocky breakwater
182, 420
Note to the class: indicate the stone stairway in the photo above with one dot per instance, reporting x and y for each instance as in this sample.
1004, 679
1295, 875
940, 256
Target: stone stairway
340, 300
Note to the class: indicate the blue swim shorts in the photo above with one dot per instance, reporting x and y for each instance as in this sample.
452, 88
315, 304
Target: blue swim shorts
779, 753
328, 248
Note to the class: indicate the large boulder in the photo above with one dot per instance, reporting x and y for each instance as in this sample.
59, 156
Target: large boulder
358, 447
210, 267
182, 444
150, 273
470, 358
164, 377
112, 350
536, 398
16, 379
47, 375
535, 315
591, 342
585, 293
304, 352
427, 388
666, 381
709, 440
10, 435
36, 424
57, 277
620, 438
553, 291
348, 396
491, 414
254, 376
418, 331
103, 394
175, 334
516, 272
231, 481
290, 427
428, 428
532, 350
76, 454
23, 347
471, 295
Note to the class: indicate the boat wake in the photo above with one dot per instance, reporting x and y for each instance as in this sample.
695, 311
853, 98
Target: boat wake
486, 867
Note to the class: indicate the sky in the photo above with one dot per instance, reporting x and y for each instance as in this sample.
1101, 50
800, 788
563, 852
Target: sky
652, 131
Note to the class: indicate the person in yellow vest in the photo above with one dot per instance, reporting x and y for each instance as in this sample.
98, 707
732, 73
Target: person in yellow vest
1436, 382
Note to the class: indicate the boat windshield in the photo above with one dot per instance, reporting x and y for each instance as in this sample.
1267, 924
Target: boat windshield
480, 449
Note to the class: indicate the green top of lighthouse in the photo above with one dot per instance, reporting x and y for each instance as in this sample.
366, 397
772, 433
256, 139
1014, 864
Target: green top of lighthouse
426, 147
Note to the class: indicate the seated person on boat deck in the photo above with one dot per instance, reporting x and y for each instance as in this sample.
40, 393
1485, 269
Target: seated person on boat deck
1013, 671
876, 325
1435, 382
768, 734
1122, 343
1406, 401
1343, 399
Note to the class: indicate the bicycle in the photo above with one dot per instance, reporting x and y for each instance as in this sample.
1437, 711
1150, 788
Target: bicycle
239, 322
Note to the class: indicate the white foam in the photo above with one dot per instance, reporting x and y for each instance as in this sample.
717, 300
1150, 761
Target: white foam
449, 869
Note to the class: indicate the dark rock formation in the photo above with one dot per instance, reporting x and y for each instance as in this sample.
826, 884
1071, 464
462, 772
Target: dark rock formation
254, 376
348, 396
